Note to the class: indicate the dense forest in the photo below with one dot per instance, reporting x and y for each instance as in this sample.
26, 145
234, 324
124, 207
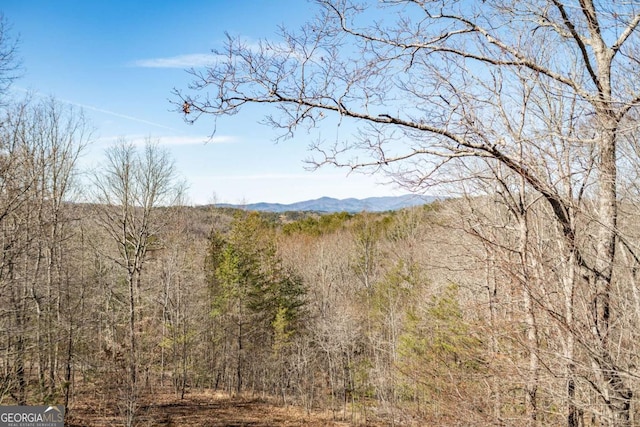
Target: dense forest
530, 110
452, 312
513, 301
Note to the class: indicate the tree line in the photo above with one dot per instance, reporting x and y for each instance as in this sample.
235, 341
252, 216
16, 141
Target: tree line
530, 105
515, 302
465, 310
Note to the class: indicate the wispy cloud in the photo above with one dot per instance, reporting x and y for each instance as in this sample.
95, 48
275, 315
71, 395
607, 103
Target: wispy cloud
274, 176
195, 60
179, 61
171, 140
191, 140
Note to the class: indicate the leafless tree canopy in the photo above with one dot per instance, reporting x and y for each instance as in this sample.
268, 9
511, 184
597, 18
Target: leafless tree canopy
10, 65
130, 189
538, 99
436, 78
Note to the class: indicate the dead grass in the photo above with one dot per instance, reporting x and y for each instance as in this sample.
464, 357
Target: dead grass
202, 409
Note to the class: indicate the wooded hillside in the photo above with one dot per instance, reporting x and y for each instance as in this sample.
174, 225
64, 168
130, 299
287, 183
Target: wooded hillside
514, 302
416, 317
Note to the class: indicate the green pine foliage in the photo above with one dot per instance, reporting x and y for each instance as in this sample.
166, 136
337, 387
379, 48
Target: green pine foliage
256, 301
318, 225
440, 358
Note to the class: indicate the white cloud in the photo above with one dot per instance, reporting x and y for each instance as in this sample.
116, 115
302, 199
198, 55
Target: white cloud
179, 61
274, 176
216, 139
172, 140
196, 60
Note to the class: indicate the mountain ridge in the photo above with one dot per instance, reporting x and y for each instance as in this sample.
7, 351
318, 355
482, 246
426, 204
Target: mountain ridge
331, 205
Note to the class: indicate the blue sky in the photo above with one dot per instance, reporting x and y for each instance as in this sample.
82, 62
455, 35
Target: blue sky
119, 61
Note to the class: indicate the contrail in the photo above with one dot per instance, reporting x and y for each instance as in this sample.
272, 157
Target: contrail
122, 116
100, 110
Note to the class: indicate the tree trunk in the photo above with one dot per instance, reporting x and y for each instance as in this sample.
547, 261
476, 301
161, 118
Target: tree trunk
619, 394
569, 287
132, 332
530, 321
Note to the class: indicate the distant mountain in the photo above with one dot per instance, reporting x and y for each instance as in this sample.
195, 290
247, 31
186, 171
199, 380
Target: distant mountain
329, 204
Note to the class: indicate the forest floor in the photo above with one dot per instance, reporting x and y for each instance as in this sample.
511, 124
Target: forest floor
202, 409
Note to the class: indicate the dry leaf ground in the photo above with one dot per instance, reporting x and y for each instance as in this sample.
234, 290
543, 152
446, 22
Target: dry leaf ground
202, 409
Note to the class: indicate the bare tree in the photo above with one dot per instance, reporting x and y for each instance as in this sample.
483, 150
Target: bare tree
435, 87
129, 191
10, 65
41, 142
59, 135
